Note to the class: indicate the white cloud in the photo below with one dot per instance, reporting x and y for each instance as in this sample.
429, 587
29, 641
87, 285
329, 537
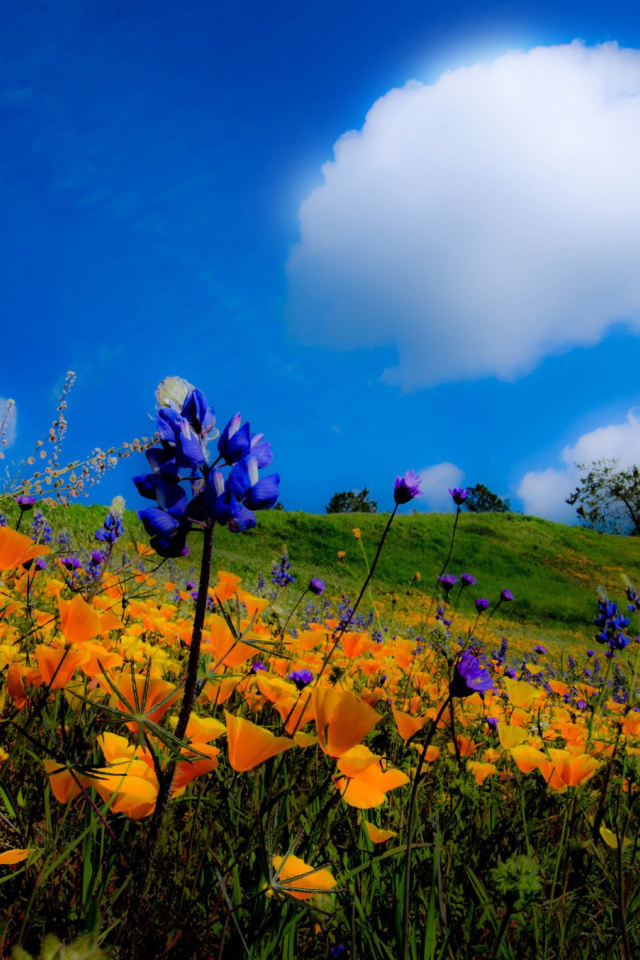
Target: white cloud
435, 483
9, 417
543, 492
479, 223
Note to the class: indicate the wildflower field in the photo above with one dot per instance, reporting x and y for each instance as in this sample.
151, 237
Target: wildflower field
399, 737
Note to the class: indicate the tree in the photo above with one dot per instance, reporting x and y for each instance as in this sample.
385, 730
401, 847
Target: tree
608, 498
351, 501
482, 500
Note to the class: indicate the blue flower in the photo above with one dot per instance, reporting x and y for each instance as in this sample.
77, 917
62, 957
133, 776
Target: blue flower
469, 677
246, 486
301, 678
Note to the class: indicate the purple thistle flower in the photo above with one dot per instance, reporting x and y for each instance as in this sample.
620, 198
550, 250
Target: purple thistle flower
506, 595
469, 677
459, 495
316, 585
25, 502
467, 580
482, 604
406, 488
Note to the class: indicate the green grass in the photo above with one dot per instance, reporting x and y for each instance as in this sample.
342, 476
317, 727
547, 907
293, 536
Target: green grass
552, 569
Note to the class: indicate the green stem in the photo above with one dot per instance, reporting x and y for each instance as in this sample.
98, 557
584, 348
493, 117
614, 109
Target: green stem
144, 865
343, 628
410, 827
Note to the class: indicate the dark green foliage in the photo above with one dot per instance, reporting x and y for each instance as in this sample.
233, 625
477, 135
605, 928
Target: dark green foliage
608, 498
482, 500
351, 501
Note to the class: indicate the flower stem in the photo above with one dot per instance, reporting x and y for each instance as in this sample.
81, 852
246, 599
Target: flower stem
144, 863
410, 827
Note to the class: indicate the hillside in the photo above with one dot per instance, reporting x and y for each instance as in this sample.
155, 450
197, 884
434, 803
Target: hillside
551, 569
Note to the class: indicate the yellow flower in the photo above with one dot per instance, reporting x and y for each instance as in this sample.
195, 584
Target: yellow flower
357, 533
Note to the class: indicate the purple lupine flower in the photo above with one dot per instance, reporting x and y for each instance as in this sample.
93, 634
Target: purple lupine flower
316, 585
469, 677
406, 488
459, 495
612, 626
301, 678
235, 440
280, 572
467, 580
482, 604
40, 528
186, 423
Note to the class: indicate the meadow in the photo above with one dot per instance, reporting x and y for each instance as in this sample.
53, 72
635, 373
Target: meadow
359, 736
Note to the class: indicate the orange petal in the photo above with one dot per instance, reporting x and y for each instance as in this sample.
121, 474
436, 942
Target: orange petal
78, 620
63, 786
299, 880
342, 718
376, 835
14, 856
408, 725
16, 548
250, 745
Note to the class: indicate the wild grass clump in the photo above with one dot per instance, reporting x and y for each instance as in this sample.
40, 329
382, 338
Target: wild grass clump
194, 766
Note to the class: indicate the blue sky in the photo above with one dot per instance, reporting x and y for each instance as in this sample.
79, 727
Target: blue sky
453, 291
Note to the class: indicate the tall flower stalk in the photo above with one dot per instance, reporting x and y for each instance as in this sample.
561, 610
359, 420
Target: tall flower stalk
186, 424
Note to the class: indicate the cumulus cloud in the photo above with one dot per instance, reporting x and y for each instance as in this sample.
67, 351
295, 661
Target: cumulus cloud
543, 492
479, 223
435, 483
8, 423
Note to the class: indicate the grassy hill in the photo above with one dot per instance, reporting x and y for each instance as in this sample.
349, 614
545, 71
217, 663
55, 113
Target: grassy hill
551, 569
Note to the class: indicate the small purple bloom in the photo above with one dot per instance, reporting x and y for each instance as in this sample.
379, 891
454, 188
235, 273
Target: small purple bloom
482, 604
25, 502
492, 723
258, 665
467, 580
469, 677
459, 495
316, 585
448, 581
506, 595
301, 678
540, 648
406, 488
